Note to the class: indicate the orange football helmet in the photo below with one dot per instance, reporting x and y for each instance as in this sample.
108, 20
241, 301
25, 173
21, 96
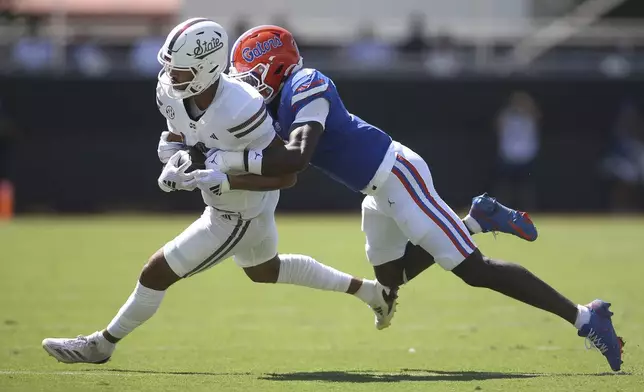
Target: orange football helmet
264, 57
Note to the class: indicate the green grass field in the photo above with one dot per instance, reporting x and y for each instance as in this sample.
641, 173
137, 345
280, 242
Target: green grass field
218, 331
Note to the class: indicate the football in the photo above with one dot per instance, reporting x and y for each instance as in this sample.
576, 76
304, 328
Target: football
196, 157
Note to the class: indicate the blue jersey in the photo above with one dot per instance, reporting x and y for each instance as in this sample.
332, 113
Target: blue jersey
350, 150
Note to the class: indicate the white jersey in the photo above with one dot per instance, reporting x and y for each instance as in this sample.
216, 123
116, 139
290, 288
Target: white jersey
236, 120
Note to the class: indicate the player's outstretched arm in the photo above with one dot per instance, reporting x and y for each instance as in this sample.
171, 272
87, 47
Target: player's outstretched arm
295, 156
278, 159
305, 133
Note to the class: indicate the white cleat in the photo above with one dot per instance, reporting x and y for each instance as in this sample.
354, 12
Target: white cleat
83, 349
384, 306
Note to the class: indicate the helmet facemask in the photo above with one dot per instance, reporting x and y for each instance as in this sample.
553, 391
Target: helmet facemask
256, 77
202, 77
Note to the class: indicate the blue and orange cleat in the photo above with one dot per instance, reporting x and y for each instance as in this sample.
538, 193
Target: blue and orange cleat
601, 334
495, 217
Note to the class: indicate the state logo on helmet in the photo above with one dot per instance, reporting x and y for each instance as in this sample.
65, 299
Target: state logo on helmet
264, 57
193, 56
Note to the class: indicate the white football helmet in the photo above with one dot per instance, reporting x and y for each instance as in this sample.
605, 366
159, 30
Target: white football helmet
198, 45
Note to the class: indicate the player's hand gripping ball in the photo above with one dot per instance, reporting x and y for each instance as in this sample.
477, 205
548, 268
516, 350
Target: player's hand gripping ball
196, 157
173, 176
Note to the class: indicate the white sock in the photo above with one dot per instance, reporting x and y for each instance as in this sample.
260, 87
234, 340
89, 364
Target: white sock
367, 291
583, 316
305, 271
141, 305
472, 224
104, 345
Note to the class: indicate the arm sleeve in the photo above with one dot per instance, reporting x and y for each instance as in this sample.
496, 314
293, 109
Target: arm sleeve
310, 86
316, 110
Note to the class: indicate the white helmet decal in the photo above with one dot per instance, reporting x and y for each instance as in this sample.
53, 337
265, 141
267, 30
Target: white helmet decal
207, 48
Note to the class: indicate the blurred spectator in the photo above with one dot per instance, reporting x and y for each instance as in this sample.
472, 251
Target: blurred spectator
442, 59
518, 136
415, 45
369, 52
143, 56
624, 164
89, 57
33, 53
619, 63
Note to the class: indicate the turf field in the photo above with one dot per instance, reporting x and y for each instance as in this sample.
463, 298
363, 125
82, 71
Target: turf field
218, 331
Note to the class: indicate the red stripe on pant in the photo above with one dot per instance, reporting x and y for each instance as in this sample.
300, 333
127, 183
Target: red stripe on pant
410, 189
423, 187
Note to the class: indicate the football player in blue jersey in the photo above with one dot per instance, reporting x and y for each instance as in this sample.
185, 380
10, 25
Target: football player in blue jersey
407, 225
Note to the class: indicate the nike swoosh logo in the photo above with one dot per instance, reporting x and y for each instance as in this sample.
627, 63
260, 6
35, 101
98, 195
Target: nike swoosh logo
522, 233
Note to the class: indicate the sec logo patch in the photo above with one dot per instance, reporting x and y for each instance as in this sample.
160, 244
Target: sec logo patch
169, 111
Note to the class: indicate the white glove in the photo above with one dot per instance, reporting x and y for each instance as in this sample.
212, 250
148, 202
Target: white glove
174, 177
167, 149
215, 160
211, 181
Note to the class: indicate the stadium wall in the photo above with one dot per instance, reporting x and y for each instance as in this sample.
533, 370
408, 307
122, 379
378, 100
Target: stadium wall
89, 145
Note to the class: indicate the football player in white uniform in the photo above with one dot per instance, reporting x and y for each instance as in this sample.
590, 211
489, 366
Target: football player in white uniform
207, 110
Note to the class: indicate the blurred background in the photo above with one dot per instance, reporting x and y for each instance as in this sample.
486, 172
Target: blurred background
538, 101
